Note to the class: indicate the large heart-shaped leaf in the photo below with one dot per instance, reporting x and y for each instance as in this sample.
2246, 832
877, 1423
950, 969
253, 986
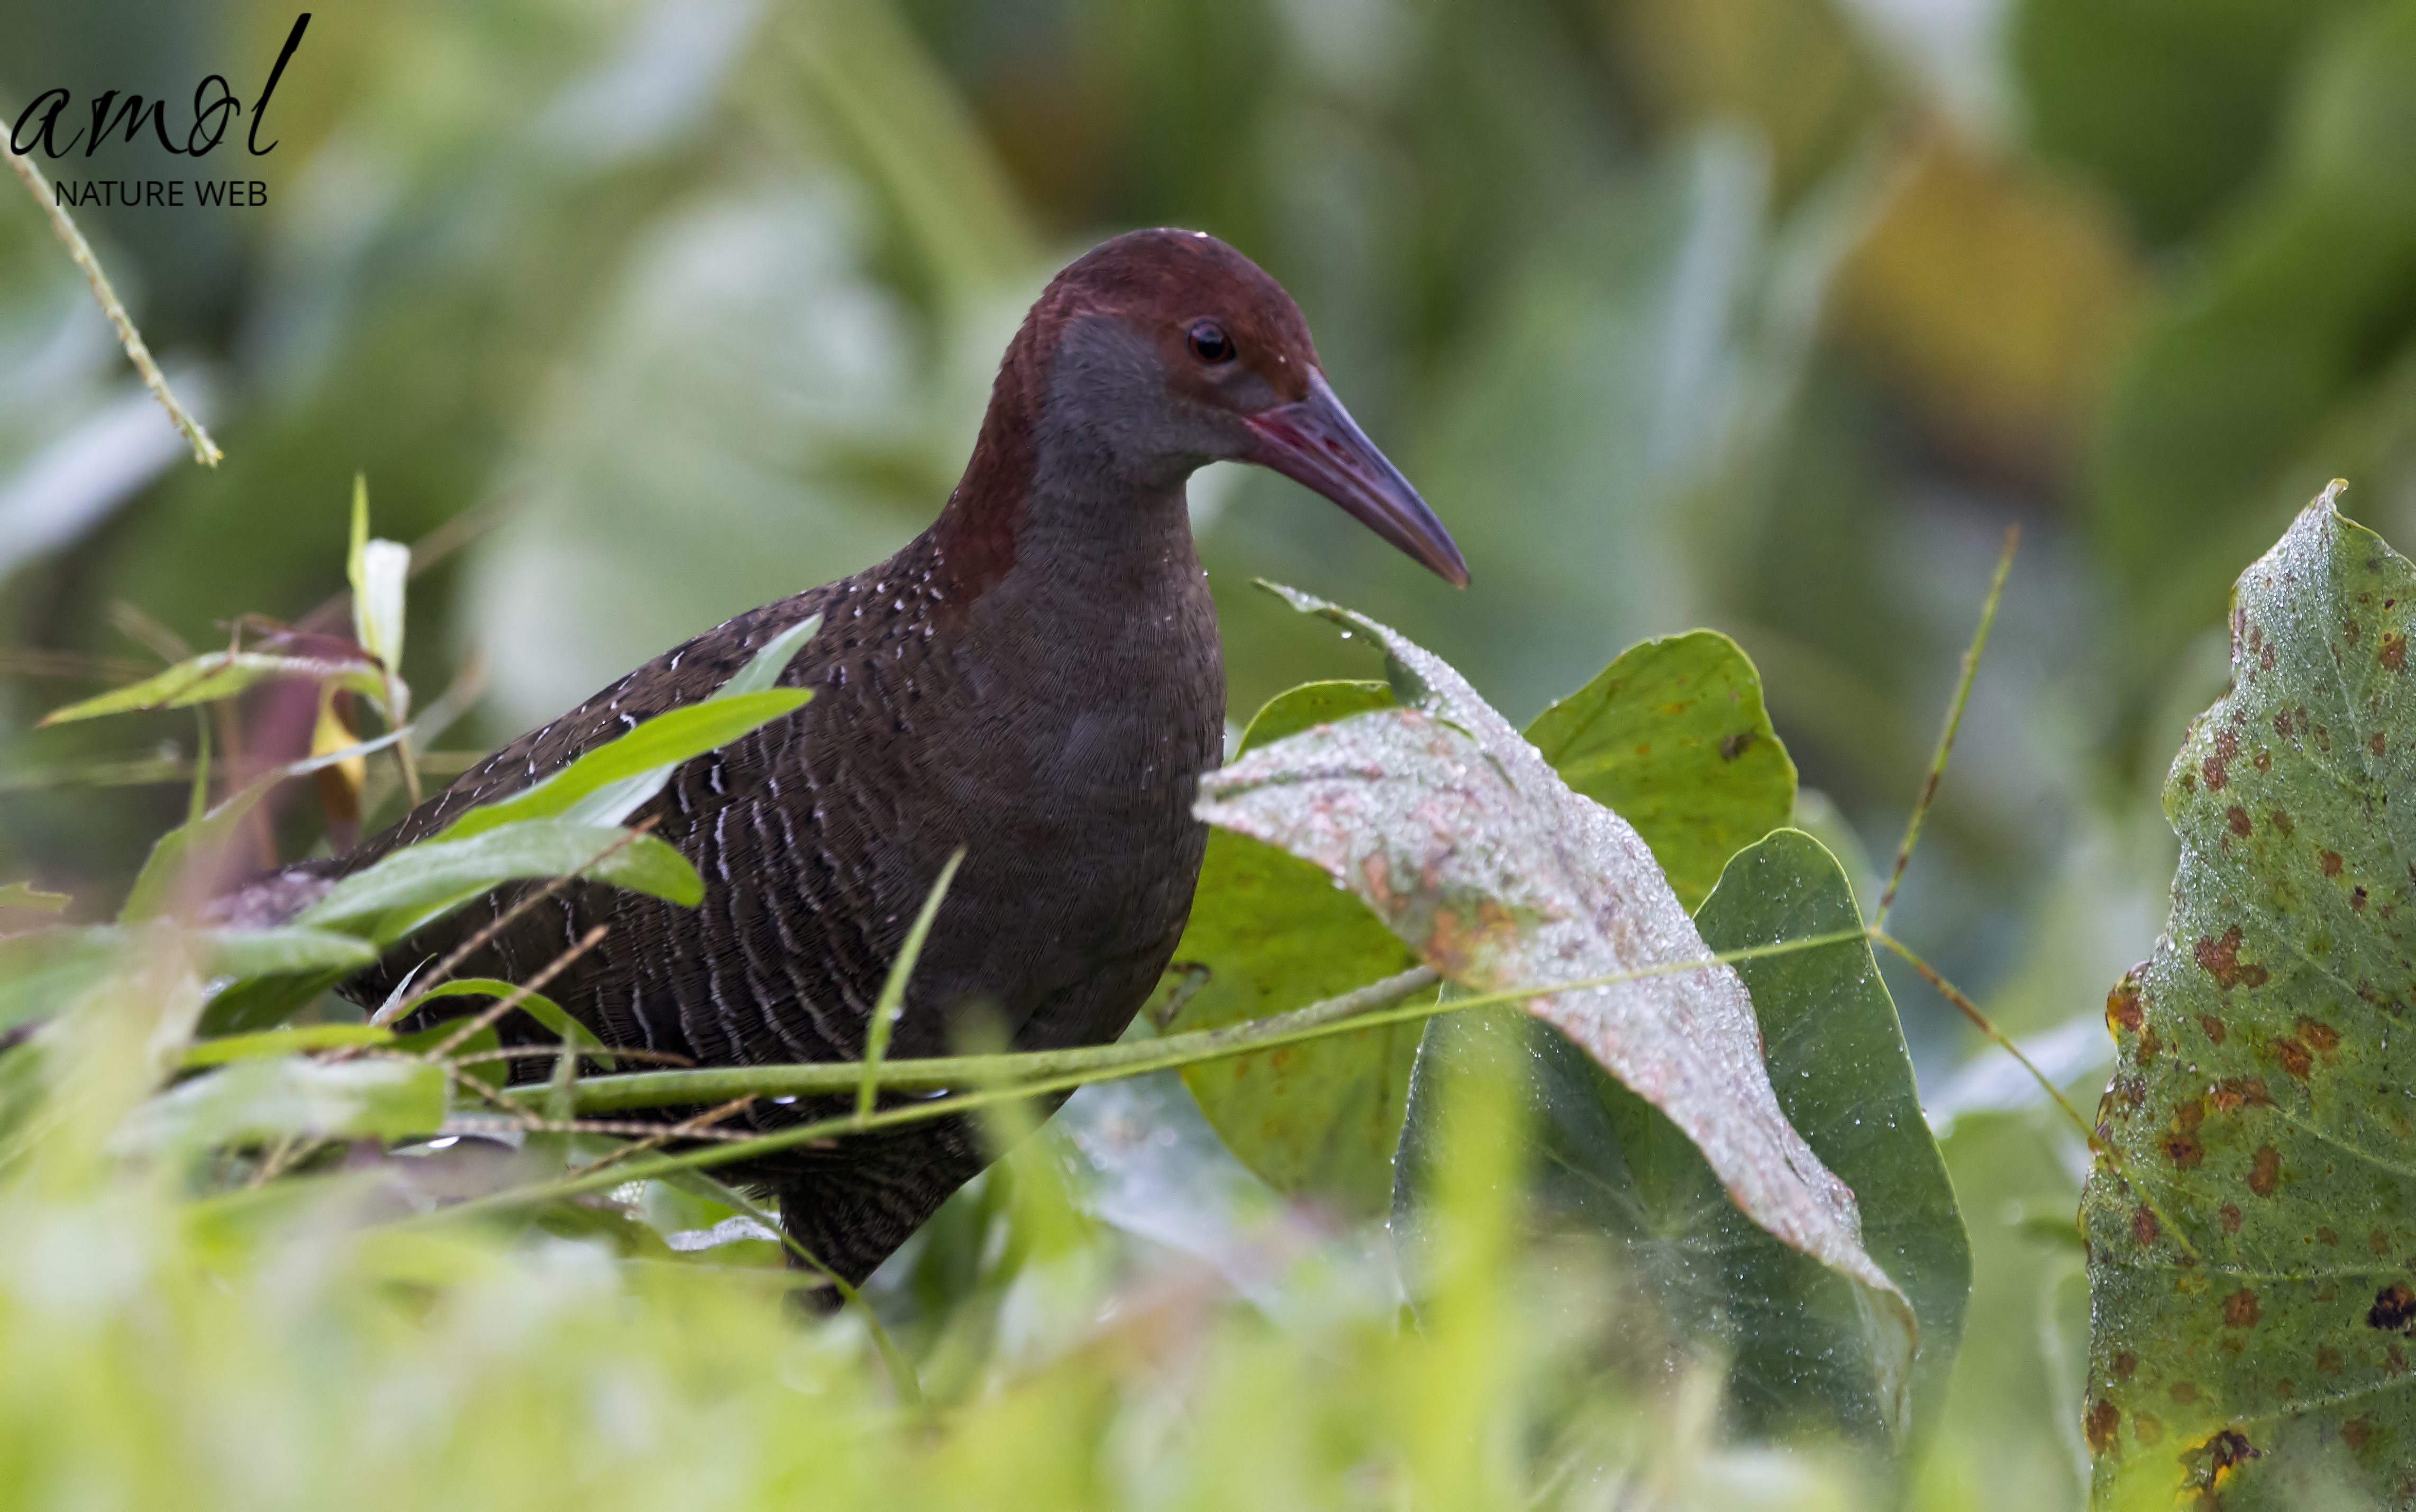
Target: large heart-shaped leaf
1603, 1163
1271, 932
2252, 1241
1472, 849
1672, 738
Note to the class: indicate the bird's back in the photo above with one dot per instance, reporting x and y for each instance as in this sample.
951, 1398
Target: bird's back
1053, 724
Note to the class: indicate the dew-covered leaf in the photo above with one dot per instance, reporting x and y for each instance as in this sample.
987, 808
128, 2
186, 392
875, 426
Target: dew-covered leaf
1672, 737
1798, 1338
2252, 1240
1271, 932
1470, 848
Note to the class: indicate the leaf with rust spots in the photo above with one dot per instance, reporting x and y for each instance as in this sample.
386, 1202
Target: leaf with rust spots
1797, 1339
2271, 1144
1461, 808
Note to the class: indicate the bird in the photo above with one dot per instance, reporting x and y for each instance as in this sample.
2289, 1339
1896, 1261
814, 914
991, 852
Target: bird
1036, 679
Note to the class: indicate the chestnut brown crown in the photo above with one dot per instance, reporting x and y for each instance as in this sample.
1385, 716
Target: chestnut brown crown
1160, 350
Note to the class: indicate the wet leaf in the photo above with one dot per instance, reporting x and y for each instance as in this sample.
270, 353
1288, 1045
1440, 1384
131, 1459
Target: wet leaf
2252, 1253
1472, 850
1672, 738
1804, 1354
1672, 735
1273, 932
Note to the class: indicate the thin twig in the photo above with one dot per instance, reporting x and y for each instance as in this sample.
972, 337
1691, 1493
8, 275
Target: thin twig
548, 1051
1953, 722
517, 995
461, 1082
653, 1136
1347, 1014
1971, 1009
205, 451
479, 1124
647, 1089
503, 921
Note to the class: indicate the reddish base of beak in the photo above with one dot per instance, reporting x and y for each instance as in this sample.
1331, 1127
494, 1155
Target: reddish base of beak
1316, 443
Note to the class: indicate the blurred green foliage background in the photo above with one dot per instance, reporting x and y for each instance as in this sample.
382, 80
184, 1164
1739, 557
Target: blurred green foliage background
1762, 314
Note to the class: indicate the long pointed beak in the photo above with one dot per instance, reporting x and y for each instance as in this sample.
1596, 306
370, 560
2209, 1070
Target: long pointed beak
1316, 443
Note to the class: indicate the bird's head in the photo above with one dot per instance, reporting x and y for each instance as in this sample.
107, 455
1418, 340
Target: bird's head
1161, 350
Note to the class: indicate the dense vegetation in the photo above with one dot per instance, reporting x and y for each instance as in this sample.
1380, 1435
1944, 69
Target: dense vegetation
1761, 314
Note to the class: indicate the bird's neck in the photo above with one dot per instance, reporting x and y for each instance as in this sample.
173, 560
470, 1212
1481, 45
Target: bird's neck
1047, 506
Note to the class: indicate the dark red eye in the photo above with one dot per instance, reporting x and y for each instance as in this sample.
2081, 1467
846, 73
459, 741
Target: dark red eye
1209, 342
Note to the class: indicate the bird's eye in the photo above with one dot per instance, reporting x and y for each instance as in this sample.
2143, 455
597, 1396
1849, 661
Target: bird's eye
1209, 342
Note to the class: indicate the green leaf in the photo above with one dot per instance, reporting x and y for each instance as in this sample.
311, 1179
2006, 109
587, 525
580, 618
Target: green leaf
271, 953
1673, 737
411, 886
44, 972
1273, 932
617, 774
762, 670
1472, 849
282, 1042
2252, 1239
1802, 1354
31, 899
536, 1005
217, 675
272, 1097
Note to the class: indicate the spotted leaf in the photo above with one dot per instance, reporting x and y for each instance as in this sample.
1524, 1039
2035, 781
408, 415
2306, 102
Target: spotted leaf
2252, 1229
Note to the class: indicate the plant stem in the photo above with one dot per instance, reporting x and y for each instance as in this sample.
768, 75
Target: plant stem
1954, 723
1971, 1009
1030, 1072
205, 451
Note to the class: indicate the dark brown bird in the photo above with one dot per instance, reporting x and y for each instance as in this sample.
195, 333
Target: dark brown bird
1036, 678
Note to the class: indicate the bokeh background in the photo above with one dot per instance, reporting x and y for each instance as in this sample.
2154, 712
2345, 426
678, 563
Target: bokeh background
1769, 315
